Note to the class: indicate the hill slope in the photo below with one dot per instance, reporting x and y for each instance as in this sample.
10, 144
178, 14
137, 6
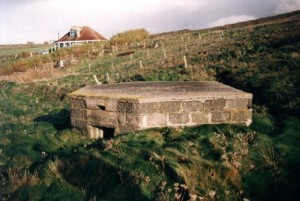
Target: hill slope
41, 158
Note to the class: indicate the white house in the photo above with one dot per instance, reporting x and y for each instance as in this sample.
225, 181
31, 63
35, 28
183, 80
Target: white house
78, 35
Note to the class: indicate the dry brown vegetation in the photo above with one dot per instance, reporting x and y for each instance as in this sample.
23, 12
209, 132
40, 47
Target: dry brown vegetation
35, 75
19, 178
130, 36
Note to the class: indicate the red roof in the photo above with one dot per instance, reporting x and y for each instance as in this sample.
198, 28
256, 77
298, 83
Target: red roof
86, 33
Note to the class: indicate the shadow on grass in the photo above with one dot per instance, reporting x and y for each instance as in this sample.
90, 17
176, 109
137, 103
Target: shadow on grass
60, 119
99, 178
88, 176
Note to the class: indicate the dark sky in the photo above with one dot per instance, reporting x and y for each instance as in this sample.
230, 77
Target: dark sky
42, 20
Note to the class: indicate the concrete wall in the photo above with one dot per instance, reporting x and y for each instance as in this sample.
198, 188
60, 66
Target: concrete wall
133, 116
90, 115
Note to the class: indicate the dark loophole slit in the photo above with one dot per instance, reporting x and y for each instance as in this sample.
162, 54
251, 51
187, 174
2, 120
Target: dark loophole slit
102, 107
108, 132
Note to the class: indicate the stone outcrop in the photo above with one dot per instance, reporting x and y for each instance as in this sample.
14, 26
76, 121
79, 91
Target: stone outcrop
106, 110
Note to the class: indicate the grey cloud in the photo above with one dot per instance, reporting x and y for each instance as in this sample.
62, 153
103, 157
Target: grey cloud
40, 20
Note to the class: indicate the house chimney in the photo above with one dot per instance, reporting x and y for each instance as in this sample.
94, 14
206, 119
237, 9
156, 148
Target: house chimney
77, 32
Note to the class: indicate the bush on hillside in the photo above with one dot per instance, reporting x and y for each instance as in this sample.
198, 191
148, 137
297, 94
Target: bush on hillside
130, 36
24, 54
17, 66
47, 58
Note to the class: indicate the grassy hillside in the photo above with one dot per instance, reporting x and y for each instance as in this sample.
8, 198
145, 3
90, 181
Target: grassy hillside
42, 159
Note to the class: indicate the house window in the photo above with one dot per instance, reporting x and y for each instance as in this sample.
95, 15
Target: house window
72, 33
61, 45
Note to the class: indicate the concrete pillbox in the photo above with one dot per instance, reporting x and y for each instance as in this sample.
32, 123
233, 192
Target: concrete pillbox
106, 110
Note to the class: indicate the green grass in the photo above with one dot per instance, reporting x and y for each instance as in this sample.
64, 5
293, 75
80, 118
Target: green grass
203, 158
14, 51
42, 159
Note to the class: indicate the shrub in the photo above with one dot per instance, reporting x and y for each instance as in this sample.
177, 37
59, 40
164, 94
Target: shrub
37, 61
130, 36
24, 54
47, 58
21, 65
60, 54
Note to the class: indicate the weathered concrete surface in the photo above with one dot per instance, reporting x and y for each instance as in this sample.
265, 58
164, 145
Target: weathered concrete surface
126, 107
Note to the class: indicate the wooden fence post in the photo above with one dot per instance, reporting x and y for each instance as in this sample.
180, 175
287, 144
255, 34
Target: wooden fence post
164, 51
107, 77
141, 64
185, 62
96, 80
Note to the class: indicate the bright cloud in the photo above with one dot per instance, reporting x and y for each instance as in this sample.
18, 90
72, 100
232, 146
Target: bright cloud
231, 20
287, 6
